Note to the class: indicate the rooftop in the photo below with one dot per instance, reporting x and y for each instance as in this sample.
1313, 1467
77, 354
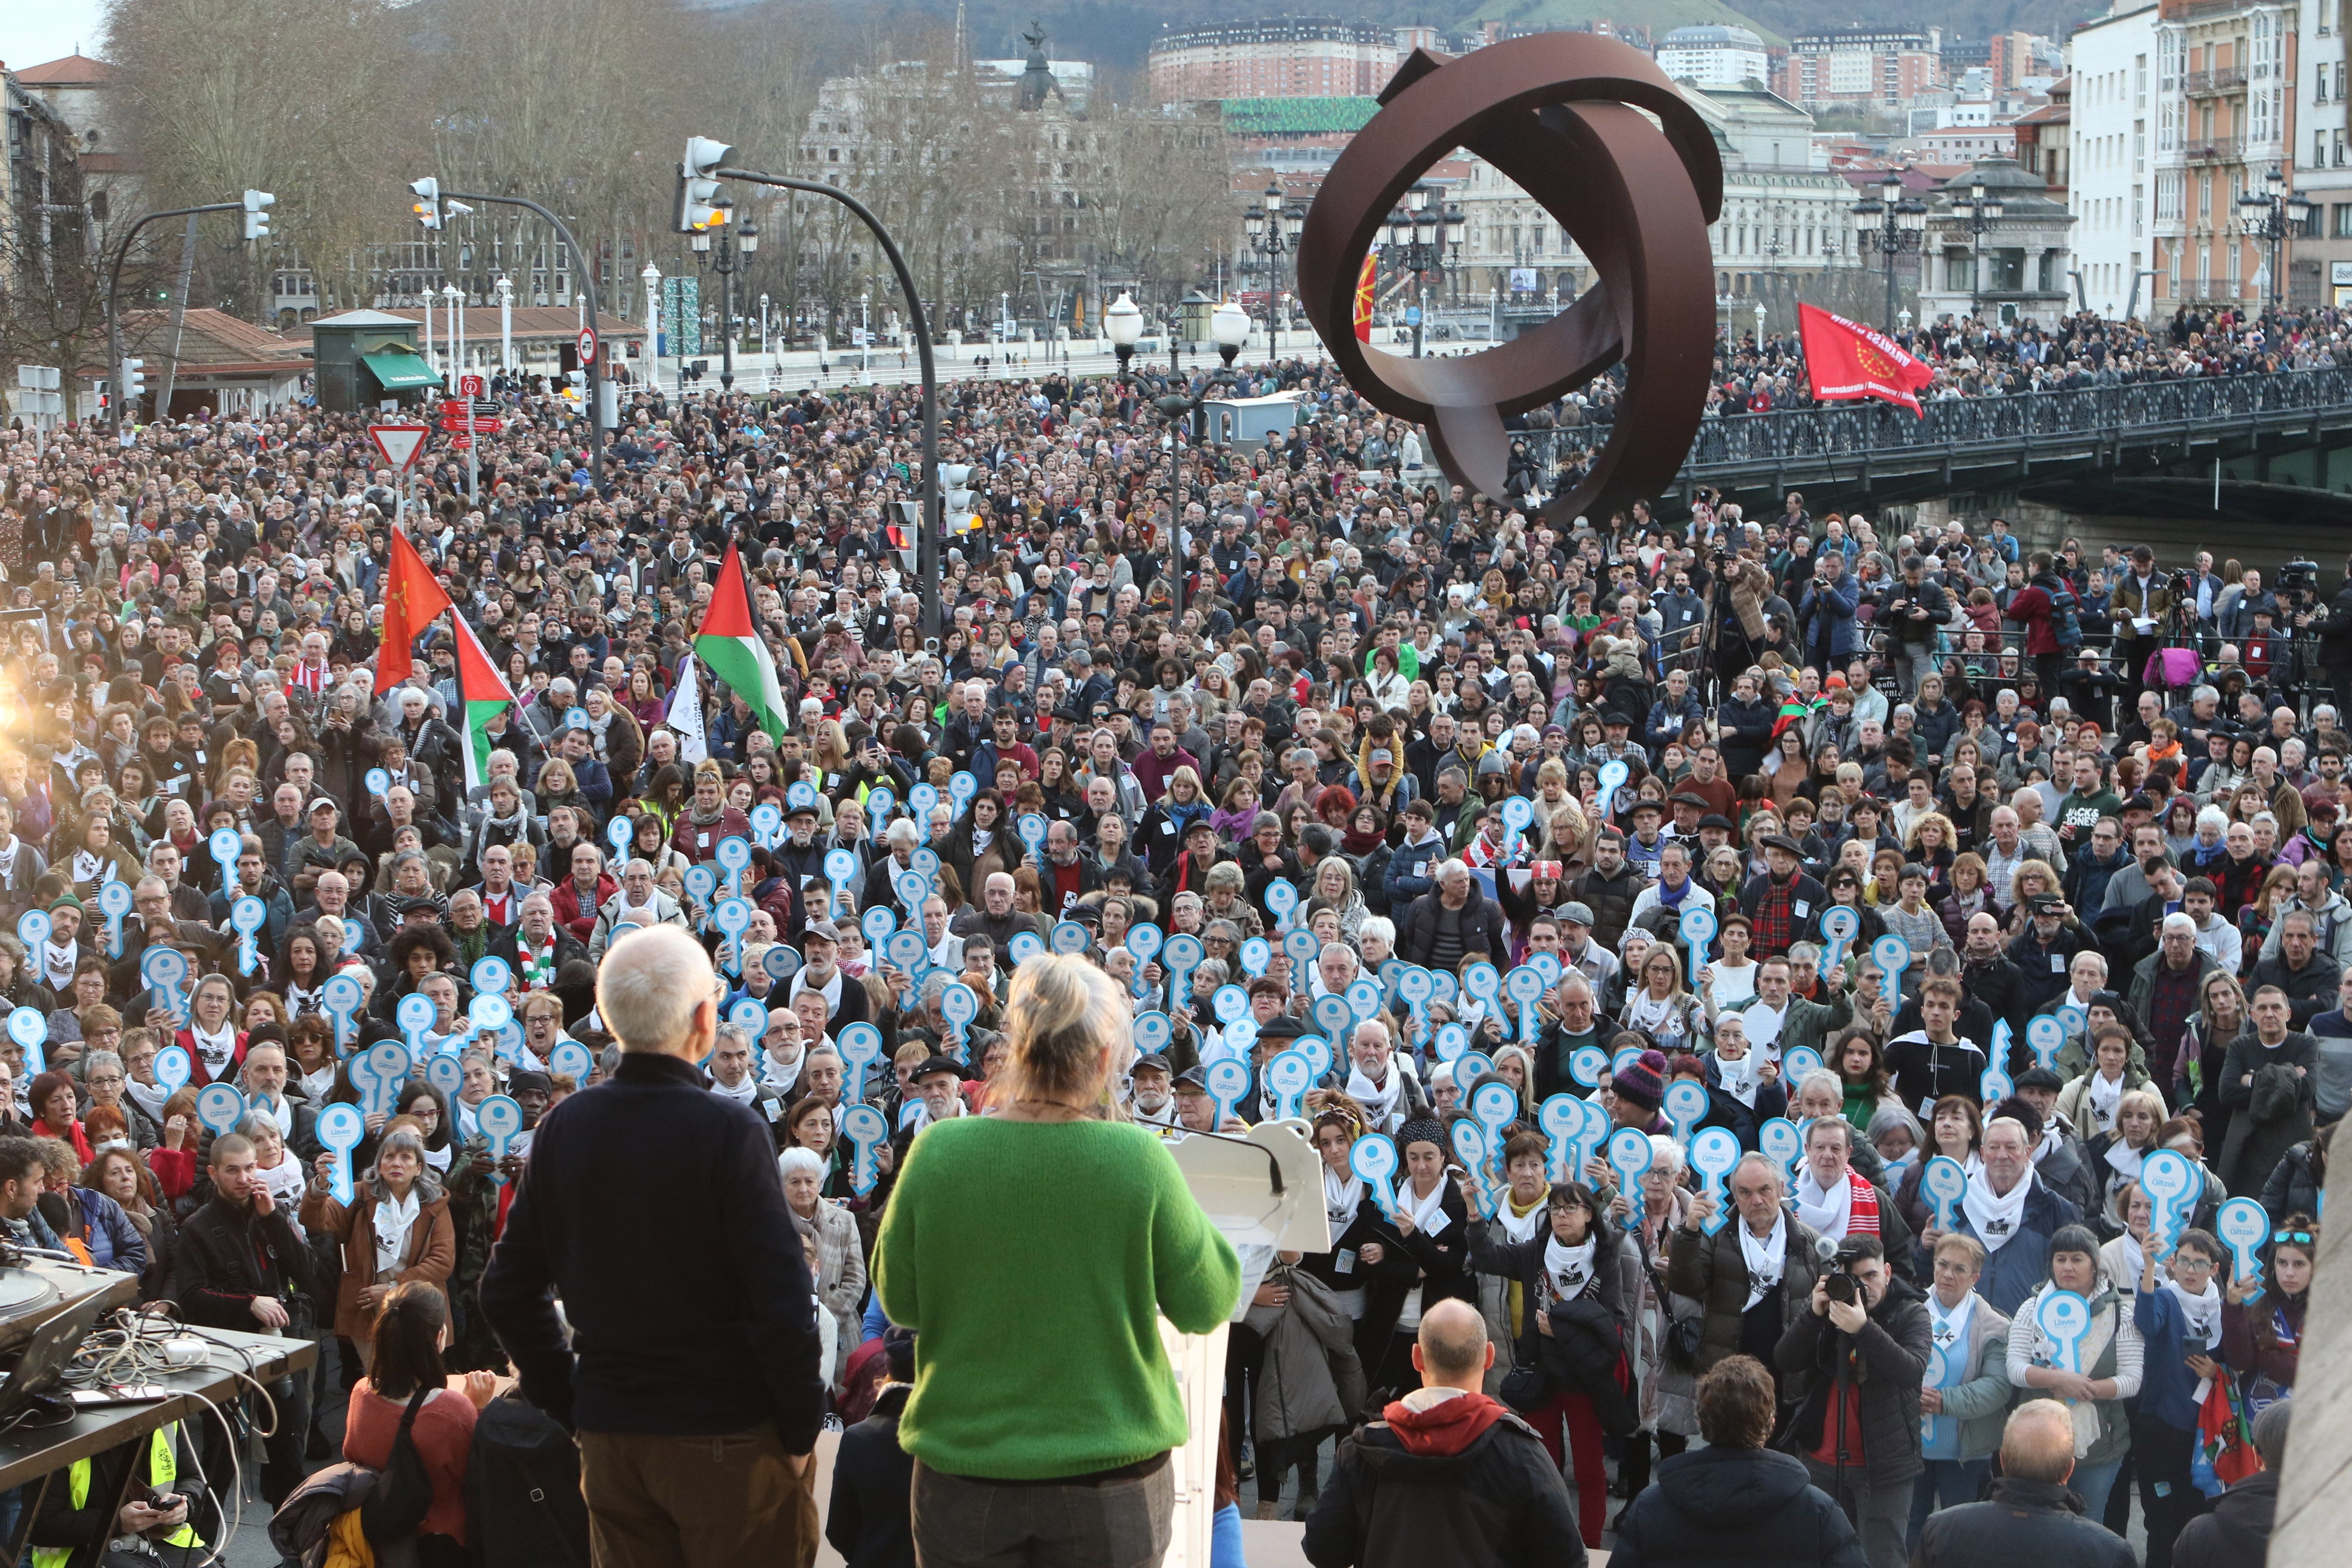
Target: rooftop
73, 71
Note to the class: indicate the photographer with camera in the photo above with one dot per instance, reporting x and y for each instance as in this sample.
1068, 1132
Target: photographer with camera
1862, 1355
1914, 609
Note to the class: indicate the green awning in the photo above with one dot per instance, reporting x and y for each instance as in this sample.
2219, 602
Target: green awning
397, 372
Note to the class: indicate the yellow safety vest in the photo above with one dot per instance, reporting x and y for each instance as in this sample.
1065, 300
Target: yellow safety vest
163, 1470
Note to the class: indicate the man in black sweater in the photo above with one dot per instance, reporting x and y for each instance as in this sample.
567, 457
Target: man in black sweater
691, 1374
239, 1265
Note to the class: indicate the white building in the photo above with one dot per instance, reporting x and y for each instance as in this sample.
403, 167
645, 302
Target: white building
2107, 181
2320, 270
1784, 211
1714, 56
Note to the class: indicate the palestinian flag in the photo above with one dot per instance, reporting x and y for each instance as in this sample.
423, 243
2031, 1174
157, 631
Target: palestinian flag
482, 691
731, 646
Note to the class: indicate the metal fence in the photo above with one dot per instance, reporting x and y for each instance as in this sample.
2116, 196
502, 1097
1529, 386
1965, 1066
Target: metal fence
2130, 414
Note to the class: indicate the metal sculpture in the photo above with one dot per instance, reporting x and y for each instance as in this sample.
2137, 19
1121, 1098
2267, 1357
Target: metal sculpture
1597, 136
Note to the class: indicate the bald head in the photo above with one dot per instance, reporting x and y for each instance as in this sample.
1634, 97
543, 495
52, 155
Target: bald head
1451, 1351
2038, 1444
656, 993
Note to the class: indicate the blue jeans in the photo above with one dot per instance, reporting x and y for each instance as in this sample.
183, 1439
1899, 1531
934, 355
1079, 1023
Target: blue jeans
2092, 1483
1944, 1483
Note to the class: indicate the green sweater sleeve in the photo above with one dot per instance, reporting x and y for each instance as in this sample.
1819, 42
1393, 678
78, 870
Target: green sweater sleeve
894, 1281
1196, 1273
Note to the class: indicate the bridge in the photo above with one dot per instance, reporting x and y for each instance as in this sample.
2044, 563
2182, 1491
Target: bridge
2282, 427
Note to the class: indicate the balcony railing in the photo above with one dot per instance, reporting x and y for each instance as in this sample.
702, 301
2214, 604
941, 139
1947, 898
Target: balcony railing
2213, 150
1989, 429
2204, 84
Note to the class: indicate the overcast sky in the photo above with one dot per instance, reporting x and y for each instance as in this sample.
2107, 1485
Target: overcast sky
32, 31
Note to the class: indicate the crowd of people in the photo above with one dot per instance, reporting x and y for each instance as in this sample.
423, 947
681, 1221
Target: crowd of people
1972, 357
1400, 734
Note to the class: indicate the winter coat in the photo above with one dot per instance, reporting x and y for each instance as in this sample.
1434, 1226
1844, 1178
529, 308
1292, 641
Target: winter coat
2022, 1263
1886, 1361
1734, 1508
1663, 1390
1981, 1401
431, 1255
869, 1522
2024, 1521
1498, 1502
1484, 928
1585, 1351
2237, 1532
1711, 1270
2293, 1186
664, 910
1311, 1380
840, 1278
2270, 1115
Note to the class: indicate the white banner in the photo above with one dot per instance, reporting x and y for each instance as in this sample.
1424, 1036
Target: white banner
685, 715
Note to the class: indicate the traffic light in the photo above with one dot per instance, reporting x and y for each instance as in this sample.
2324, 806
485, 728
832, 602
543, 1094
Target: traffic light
432, 209
135, 382
256, 215
697, 189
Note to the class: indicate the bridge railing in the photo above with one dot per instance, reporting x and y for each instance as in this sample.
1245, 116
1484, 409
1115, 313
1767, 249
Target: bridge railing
2131, 413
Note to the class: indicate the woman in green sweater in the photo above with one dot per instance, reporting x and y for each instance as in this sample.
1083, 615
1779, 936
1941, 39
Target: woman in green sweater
1033, 1251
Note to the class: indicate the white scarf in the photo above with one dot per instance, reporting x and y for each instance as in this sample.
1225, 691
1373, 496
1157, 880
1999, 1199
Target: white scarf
302, 1002
1428, 1213
781, 1074
1949, 1330
279, 1112
2134, 1257
87, 865
1341, 1199
1521, 1226
1380, 1104
1567, 1269
1166, 1117
393, 1221
57, 965
1995, 1219
743, 1093
213, 1050
316, 1085
1826, 1211
2104, 1097
149, 1096
1739, 1078
1766, 1257
2125, 1159
2203, 1312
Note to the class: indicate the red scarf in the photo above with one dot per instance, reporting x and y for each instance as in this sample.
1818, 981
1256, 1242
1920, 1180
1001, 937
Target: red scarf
1862, 1218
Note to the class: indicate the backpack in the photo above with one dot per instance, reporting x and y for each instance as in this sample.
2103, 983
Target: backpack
522, 1489
395, 1508
2065, 624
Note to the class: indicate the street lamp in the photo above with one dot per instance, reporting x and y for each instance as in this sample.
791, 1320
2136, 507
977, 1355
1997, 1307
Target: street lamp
1123, 324
1759, 323
504, 289
1893, 222
1976, 212
652, 277
1273, 232
1424, 239
1228, 329
2271, 215
454, 300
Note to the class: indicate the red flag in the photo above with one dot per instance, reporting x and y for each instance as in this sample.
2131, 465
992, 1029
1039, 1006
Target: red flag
1364, 302
1847, 360
411, 601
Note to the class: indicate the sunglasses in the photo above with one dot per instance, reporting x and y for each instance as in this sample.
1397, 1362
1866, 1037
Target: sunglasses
2299, 1238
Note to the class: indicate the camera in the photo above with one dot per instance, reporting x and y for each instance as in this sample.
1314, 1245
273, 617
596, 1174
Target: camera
1841, 1287
2299, 578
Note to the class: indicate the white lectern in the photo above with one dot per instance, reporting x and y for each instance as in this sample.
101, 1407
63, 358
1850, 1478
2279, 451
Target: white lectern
1264, 1194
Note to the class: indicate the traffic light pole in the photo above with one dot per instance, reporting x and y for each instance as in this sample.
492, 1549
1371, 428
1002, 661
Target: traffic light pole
926, 542
584, 272
114, 303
